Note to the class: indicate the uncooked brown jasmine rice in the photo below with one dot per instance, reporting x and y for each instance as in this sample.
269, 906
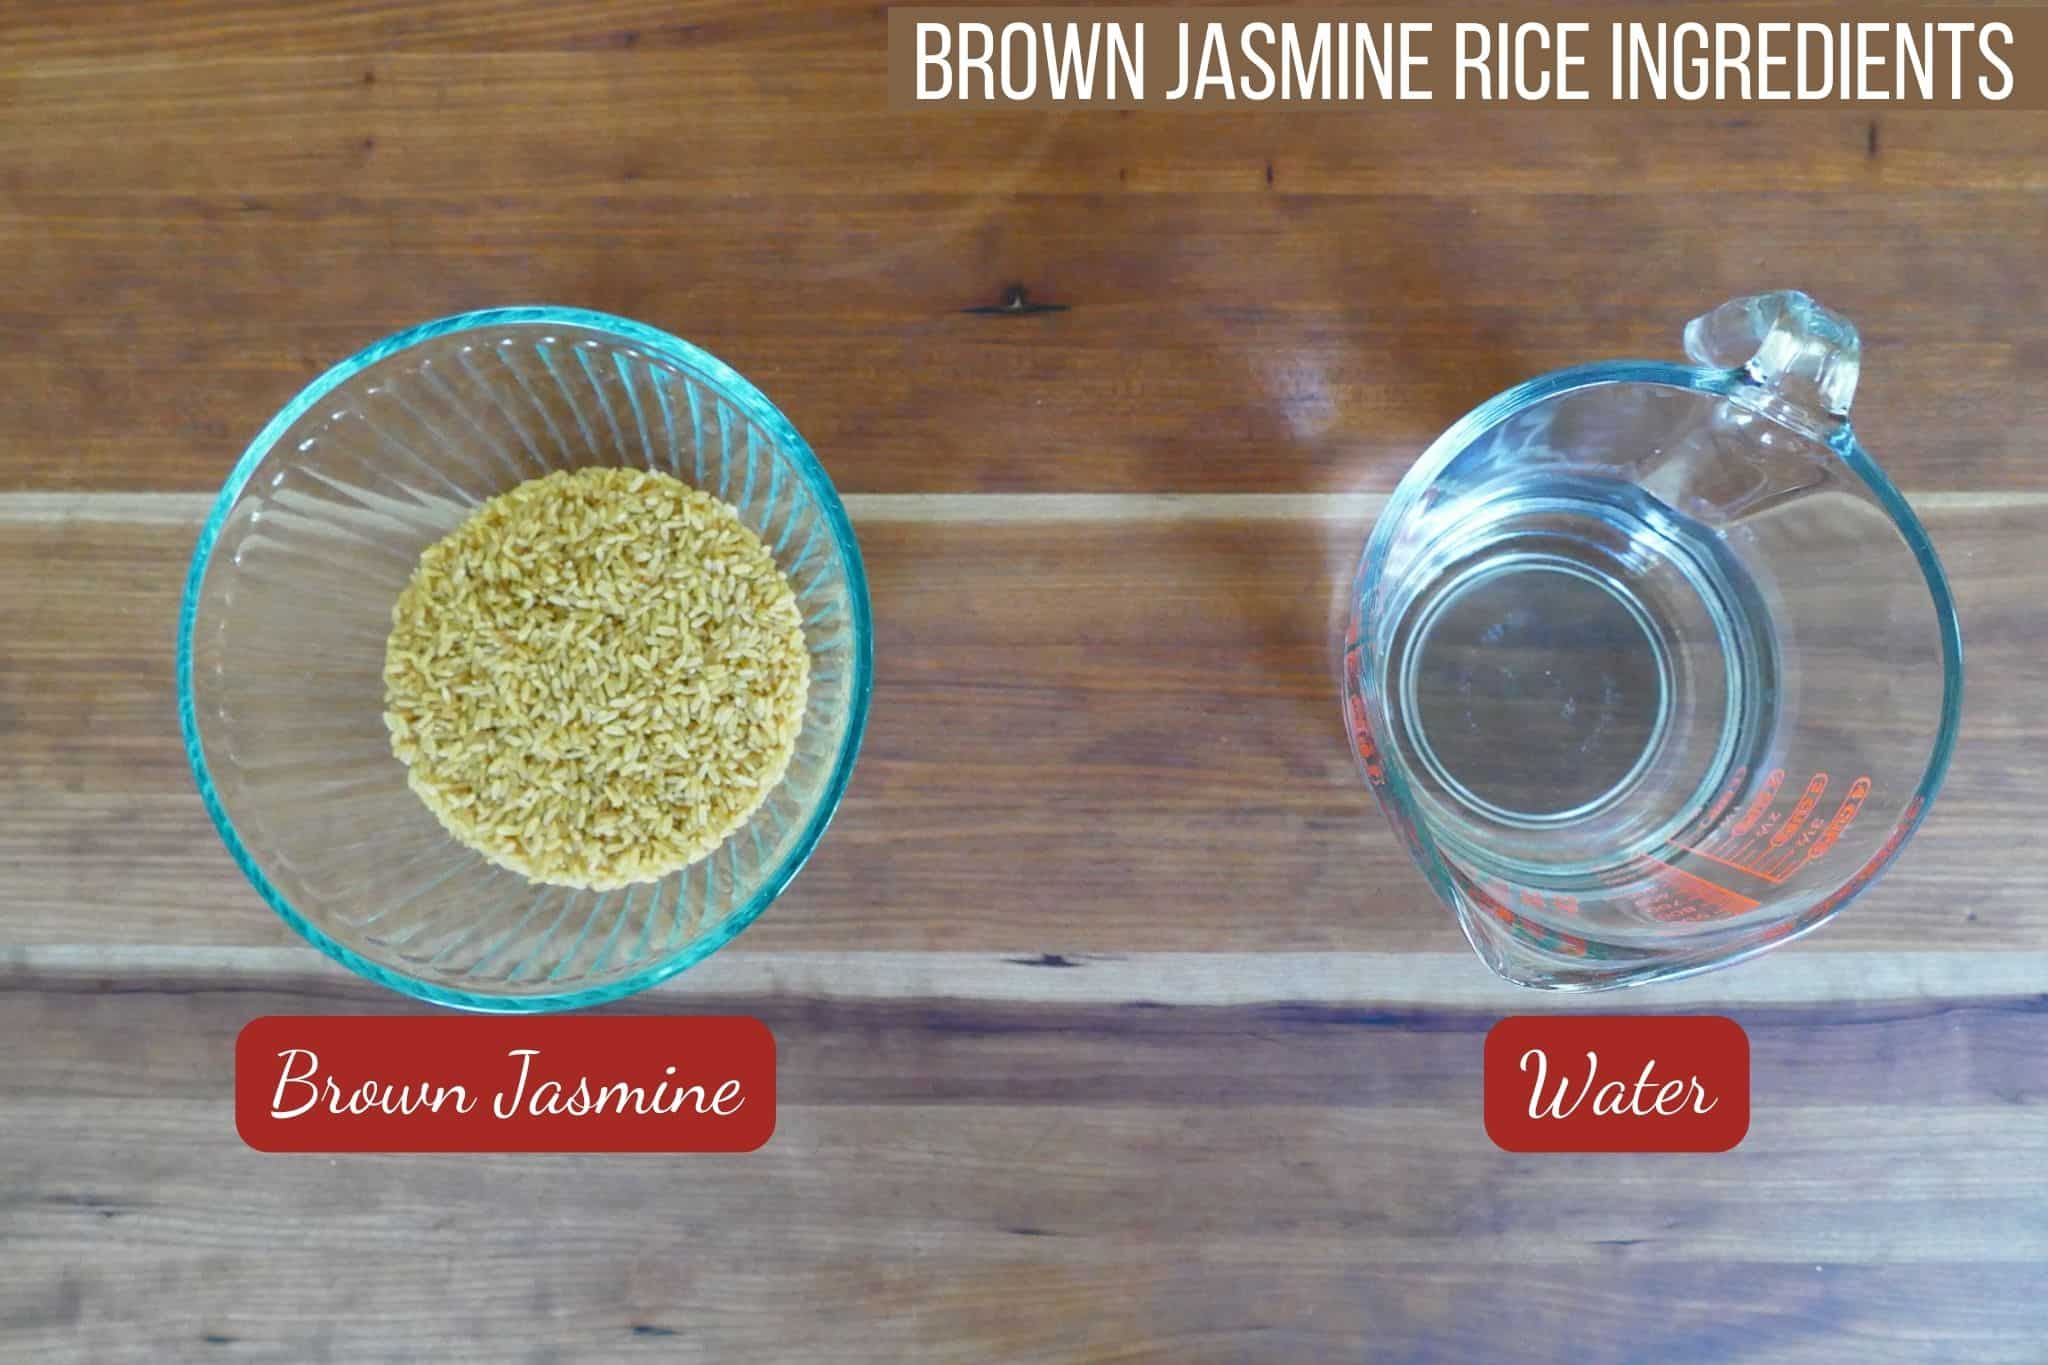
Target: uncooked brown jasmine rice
596, 678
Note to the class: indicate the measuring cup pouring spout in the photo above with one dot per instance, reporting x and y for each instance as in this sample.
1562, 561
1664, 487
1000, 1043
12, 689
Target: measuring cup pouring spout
1650, 665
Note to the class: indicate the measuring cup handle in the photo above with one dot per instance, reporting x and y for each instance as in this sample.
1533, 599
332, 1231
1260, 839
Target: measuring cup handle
1786, 342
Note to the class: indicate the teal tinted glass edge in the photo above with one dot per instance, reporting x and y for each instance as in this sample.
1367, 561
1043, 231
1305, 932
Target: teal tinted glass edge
1917, 540
757, 407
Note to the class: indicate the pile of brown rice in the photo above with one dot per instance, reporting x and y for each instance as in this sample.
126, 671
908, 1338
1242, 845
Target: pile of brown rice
596, 678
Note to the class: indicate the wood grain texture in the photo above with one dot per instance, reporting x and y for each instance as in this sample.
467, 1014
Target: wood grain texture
1033, 1234
1176, 368
1382, 981
1086, 737
168, 1034
974, 1182
1113, 1025
127, 28
1281, 302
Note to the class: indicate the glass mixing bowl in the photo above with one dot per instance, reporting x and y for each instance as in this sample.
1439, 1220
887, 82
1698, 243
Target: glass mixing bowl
288, 603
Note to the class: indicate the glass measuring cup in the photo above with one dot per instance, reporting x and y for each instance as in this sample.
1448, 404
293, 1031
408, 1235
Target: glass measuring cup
1650, 665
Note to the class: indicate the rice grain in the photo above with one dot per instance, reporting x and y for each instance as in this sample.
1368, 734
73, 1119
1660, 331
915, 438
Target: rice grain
611, 640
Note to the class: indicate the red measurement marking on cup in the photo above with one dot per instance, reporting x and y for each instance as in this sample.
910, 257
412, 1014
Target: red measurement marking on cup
1495, 896
1873, 865
1774, 846
1679, 895
1726, 798
1792, 855
1851, 805
1710, 820
1761, 804
1362, 740
1790, 829
1738, 863
1736, 846
1354, 712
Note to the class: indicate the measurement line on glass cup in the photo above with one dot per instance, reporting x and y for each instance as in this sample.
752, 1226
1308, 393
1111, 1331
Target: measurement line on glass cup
1746, 862
1689, 890
1816, 839
1742, 845
1815, 788
1654, 888
1772, 850
1711, 820
1762, 803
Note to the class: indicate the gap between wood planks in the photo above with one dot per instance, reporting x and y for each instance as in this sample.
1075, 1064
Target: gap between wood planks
170, 509
1436, 980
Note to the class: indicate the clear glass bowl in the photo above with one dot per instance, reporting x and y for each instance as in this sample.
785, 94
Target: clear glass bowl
288, 603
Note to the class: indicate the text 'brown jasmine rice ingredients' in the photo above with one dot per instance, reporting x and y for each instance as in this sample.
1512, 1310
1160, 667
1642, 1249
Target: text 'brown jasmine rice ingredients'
596, 678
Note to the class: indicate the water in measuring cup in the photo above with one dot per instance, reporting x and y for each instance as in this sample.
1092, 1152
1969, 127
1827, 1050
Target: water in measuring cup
1575, 671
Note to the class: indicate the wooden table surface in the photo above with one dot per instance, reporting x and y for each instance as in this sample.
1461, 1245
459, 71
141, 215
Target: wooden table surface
1113, 1024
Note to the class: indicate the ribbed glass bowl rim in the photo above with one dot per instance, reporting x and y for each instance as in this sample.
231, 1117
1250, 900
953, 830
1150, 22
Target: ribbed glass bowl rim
732, 386
1732, 384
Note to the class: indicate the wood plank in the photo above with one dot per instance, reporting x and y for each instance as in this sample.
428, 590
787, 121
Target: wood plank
251, 220
52, 29
990, 1182
110, 1034
725, 117
1058, 761
58, 29
666, 1300
1183, 370
1382, 980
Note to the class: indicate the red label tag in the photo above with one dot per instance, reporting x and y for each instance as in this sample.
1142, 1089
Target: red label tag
1617, 1083
450, 1083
